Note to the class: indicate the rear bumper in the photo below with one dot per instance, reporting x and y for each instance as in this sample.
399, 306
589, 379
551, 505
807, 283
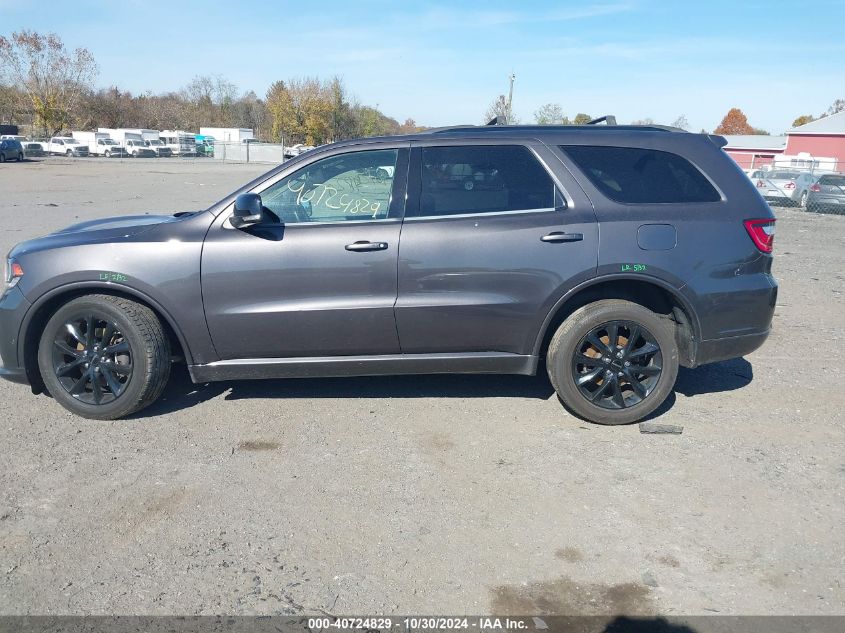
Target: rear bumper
13, 307
725, 348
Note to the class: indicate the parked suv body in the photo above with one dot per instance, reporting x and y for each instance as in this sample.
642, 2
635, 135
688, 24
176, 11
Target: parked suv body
11, 149
613, 253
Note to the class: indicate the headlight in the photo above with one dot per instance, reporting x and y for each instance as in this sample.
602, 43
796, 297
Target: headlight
12, 273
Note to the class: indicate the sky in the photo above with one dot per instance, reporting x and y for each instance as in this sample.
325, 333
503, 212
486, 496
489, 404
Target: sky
443, 63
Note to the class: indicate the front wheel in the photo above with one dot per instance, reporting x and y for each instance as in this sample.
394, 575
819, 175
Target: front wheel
68, 153
613, 361
104, 357
108, 153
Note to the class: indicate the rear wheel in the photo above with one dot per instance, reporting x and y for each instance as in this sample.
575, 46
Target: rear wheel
613, 361
803, 202
104, 357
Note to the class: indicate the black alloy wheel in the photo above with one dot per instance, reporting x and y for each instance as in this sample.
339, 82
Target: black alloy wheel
617, 365
92, 360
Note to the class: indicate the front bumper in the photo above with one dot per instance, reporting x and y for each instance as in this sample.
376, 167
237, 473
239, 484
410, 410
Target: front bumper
13, 308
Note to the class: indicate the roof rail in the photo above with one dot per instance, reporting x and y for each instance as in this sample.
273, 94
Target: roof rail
607, 119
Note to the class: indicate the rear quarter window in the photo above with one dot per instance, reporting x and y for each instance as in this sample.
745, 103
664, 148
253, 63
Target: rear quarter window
635, 175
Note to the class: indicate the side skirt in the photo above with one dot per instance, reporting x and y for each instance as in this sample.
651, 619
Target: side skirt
382, 365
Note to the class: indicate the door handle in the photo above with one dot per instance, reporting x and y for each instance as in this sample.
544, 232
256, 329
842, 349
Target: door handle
363, 245
560, 236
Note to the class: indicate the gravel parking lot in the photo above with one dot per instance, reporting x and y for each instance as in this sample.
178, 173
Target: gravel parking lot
431, 494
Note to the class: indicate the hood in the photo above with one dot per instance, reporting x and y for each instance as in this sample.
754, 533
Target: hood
128, 223
98, 232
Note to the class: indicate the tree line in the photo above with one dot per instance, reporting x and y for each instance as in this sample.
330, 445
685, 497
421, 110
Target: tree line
49, 89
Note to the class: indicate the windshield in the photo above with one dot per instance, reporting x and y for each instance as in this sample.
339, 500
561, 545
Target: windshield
838, 181
154, 143
108, 141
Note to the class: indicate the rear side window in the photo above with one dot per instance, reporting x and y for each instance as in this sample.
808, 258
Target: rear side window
642, 176
838, 181
483, 179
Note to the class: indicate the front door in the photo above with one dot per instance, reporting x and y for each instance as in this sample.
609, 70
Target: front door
491, 240
319, 278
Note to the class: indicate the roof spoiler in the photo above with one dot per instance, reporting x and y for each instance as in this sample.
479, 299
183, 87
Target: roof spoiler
498, 120
607, 119
718, 141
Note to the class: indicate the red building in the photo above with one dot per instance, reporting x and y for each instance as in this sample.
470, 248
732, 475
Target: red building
823, 138
752, 151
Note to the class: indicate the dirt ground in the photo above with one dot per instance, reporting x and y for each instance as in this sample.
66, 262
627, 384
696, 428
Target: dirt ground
432, 494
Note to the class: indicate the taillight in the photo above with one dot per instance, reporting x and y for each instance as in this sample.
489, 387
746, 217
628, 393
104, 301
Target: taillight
762, 233
789, 185
815, 188
760, 183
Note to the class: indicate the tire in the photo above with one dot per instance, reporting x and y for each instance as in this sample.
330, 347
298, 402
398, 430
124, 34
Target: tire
69, 154
598, 399
2, 158
107, 153
20, 157
134, 358
803, 202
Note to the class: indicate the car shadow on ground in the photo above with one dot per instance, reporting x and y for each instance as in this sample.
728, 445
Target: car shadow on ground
181, 393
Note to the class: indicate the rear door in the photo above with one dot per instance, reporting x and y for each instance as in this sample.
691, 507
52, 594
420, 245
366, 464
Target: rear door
490, 241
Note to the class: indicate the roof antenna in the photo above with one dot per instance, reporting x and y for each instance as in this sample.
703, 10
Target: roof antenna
607, 119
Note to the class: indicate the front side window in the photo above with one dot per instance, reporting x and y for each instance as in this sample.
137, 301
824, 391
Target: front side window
353, 186
483, 179
642, 176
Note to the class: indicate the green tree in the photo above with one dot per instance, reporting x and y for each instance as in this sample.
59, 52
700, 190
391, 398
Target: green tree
803, 120
581, 119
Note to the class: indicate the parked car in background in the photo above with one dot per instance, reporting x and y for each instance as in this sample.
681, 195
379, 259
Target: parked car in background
827, 194
32, 149
754, 174
786, 187
138, 148
67, 146
11, 149
158, 146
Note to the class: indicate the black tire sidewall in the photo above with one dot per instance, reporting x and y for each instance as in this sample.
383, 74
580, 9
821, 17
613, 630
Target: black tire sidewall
579, 325
129, 400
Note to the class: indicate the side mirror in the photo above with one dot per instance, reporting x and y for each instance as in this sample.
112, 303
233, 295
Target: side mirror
248, 210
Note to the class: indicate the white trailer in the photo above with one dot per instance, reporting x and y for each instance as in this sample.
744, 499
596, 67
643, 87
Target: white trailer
228, 134
181, 143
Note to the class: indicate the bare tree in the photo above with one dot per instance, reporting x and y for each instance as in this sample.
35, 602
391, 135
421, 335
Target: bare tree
551, 114
52, 79
681, 122
501, 110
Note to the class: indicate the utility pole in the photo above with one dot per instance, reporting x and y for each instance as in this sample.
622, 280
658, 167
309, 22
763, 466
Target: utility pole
510, 96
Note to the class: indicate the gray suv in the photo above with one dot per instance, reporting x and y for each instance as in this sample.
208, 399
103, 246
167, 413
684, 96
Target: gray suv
609, 254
